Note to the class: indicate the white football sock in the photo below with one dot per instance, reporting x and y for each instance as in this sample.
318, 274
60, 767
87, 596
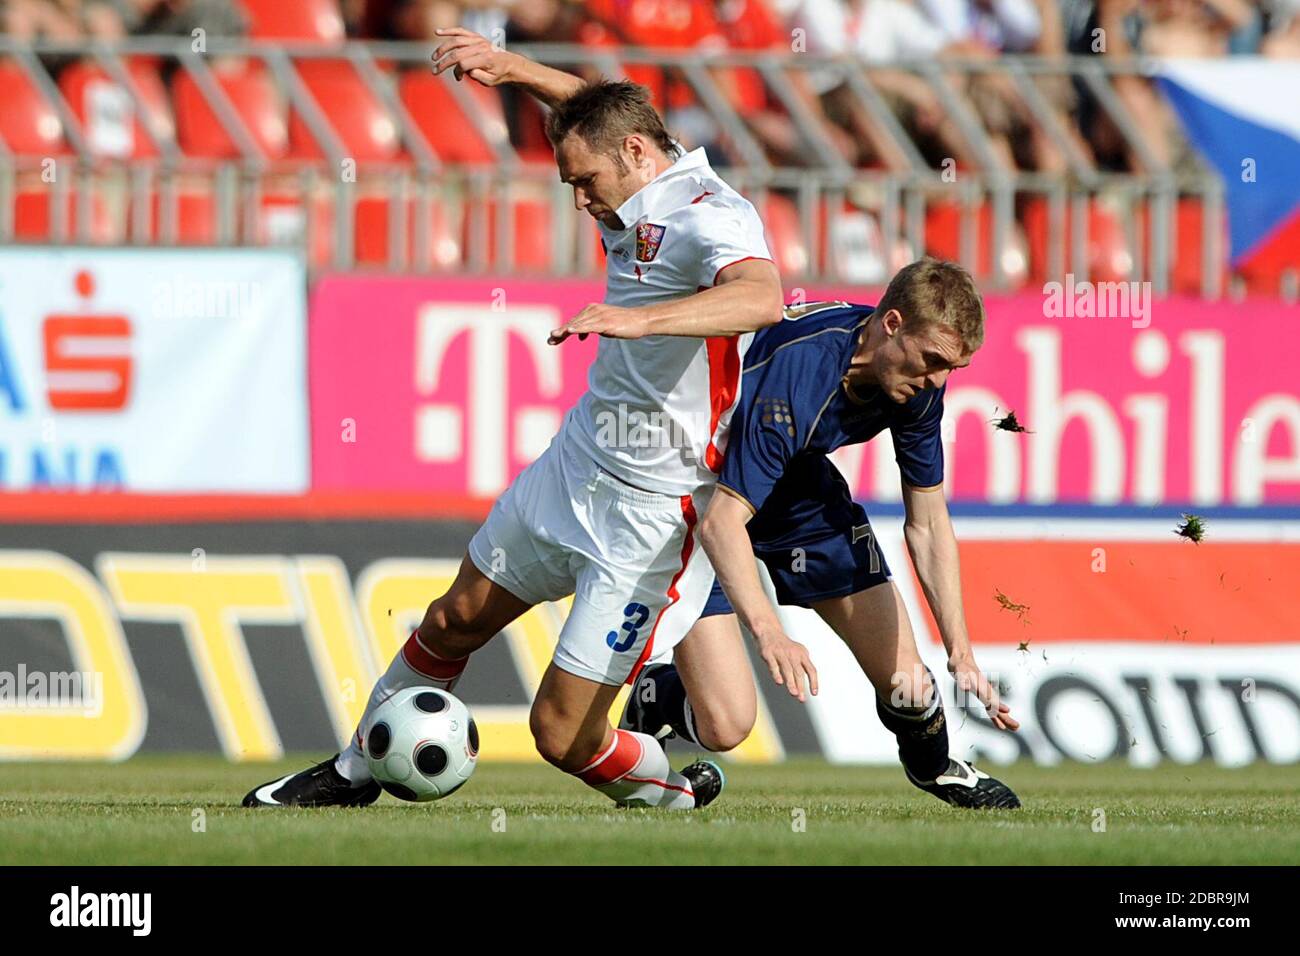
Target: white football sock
634, 769
414, 666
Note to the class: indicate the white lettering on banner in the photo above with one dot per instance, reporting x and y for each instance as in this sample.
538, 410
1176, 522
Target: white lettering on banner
1128, 450
490, 332
104, 350
1144, 702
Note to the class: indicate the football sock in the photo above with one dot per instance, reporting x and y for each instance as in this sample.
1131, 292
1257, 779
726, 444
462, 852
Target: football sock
415, 665
922, 734
634, 770
663, 701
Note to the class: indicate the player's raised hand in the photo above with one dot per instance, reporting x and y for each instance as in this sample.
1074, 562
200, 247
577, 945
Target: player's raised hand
970, 679
467, 52
614, 321
789, 663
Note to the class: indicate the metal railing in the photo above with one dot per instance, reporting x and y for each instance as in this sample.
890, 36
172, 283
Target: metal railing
897, 194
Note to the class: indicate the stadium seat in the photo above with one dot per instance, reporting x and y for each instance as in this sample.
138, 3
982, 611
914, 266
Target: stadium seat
438, 116
372, 241
943, 224
532, 234
317, 20
107, 113
357, 116
34, 217
785, 235
253, 96
530, 125
196, 217
29, 124
282, 221
1109, 256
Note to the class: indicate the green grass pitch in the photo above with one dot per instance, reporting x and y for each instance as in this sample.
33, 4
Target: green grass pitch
801, 812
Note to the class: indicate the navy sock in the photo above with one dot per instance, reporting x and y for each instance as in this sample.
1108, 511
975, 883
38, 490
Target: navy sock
922, 735
663, 701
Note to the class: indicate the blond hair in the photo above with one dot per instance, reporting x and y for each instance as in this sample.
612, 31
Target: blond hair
935, 292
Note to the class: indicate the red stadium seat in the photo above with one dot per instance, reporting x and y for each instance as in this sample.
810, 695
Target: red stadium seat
283, 220
29, 124
785, 236
437, 114
530, 124
1109, 256
107, 113
253, 96
196, 217
34, 221
295, 20
363, 124
532, 234
943, 223
372, 241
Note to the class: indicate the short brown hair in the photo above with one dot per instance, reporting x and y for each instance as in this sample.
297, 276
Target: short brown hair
606, 111
935, 292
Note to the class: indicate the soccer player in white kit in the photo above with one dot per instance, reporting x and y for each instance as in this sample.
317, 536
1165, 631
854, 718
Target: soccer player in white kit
608, 512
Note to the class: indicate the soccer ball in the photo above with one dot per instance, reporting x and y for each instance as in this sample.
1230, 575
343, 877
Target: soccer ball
422, 744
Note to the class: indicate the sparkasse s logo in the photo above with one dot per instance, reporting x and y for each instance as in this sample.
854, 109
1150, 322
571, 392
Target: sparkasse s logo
87, 357
74, 908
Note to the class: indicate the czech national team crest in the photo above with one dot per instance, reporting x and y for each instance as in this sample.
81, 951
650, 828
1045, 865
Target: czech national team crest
648, 239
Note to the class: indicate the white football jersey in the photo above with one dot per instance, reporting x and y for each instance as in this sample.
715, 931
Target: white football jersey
656, 409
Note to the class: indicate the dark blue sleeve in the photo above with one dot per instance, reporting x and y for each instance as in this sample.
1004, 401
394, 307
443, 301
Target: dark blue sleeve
918, 444
779, 405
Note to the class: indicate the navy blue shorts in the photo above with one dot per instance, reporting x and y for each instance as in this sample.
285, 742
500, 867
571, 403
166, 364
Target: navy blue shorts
814, 548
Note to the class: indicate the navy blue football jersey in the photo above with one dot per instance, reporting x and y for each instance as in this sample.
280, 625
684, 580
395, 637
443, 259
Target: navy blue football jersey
795, 408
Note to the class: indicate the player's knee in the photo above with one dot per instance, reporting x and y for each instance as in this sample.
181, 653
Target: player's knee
452, 626
557, 742
720, 732
723, 737
910, 687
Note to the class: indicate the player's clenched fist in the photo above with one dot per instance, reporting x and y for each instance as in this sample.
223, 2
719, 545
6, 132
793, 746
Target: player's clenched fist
610, 320
789, 664
469, 53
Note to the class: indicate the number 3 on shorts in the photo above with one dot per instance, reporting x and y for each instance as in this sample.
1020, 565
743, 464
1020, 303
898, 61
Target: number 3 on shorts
637, 615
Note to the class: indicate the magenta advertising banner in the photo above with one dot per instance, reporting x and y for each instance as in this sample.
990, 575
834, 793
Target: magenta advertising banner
448, 386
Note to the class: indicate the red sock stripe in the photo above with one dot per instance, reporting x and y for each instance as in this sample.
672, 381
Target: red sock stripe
617, 764
662, 783
419, 658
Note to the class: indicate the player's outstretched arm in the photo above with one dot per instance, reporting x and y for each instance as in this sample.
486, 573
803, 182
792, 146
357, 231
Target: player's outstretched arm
726, 542
468, 53
747, 297
933, 547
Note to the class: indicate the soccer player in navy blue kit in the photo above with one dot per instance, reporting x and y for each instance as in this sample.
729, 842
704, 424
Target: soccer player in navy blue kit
835, 374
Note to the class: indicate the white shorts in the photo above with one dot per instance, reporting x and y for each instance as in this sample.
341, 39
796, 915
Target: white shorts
631, 559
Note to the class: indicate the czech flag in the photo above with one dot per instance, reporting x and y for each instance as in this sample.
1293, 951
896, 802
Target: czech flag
1242, 115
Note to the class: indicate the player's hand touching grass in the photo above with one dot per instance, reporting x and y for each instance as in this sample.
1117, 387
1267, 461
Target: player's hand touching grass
614, 321
789, 664
971, 680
